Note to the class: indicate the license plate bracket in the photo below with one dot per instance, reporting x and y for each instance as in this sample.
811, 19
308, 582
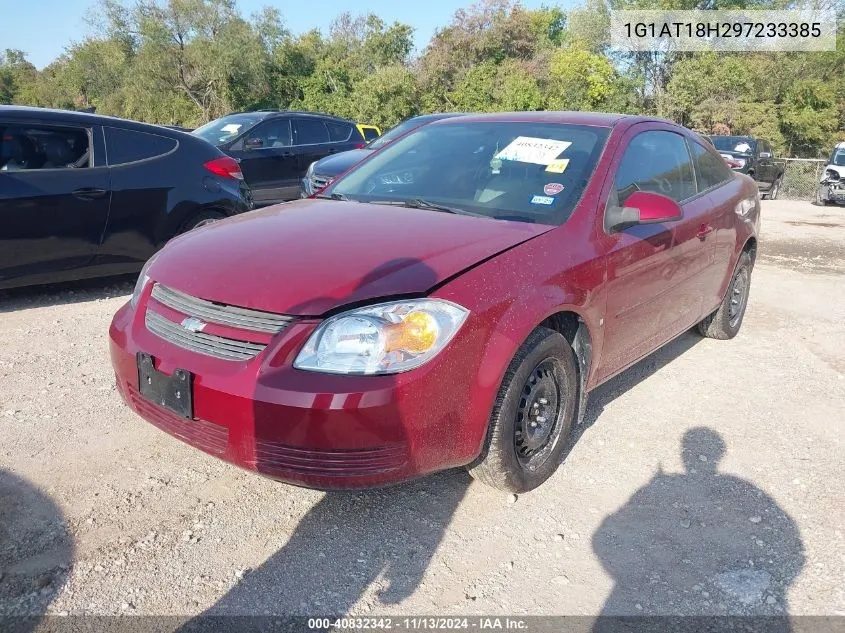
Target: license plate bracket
174, 392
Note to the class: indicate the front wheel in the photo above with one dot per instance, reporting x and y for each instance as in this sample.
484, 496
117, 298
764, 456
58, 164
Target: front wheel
532, 416
725, 322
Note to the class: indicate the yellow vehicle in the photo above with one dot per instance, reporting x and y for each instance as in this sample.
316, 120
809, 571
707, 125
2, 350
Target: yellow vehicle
369, 132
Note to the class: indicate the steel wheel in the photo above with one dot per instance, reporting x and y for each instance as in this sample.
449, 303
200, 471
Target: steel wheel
738, 296
538, 415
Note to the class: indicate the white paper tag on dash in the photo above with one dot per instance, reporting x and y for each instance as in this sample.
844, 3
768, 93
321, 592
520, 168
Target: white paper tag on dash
527, 149
231, 127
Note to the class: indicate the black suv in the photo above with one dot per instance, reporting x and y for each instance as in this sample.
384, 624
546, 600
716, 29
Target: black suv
83, 195
275, 147
752, 156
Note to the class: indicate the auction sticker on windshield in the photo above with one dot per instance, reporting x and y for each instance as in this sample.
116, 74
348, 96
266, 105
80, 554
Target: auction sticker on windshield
558, 166
527, 149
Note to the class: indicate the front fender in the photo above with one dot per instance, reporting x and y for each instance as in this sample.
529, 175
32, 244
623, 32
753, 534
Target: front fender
510, 296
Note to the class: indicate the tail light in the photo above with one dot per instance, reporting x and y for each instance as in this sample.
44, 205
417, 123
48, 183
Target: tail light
360, 146
225, 167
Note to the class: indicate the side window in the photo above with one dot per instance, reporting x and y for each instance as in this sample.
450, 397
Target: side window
339, 131
658, 162
370, 133
710, 168
272, 133
129, 146
43, 147
310, 131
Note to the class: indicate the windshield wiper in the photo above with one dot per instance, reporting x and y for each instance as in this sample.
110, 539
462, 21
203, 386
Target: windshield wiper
334, 196
420, 203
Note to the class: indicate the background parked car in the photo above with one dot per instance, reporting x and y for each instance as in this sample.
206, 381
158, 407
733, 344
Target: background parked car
83, 195
832, 184
369, 132
274, 148
752, 156
320, 173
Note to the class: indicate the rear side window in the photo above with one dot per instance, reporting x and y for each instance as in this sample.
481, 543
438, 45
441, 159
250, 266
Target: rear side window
29, 147
310, 131
370, 133
339, 131
710, 168
129, 146
658, 162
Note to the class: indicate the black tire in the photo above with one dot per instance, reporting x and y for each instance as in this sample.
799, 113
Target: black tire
201, 219
819, 200
725, 322
532, 417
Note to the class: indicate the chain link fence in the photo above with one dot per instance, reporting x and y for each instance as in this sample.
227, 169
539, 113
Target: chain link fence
801, 178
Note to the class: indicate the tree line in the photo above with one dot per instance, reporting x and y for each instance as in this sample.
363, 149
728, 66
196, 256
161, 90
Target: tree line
185, 62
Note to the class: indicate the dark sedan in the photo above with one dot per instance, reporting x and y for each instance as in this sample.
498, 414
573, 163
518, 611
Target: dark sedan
83, 195
321, 172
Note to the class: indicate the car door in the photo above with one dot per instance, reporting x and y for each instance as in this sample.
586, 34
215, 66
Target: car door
649, 266
54, 198
766, 163
311, 137
269, 161
724, 193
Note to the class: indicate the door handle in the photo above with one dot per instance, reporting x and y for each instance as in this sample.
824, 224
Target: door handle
89, 193
703, 231
287, 154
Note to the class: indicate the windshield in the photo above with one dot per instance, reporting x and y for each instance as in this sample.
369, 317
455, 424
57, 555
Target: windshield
528, 172
393, 133
838, 158
226, 128
739, 144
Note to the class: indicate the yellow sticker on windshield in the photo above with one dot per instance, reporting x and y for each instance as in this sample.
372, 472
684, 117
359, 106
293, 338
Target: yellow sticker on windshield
558, 166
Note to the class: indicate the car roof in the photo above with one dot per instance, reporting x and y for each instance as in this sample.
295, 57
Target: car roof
599, 119
87, 118
271, 113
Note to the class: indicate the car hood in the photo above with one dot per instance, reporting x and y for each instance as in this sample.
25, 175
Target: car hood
311, 256
338, 163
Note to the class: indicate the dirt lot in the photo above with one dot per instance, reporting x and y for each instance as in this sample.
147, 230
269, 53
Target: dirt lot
707, 479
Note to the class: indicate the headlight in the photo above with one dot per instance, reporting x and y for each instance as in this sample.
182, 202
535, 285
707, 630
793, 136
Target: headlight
143, 280
383, 339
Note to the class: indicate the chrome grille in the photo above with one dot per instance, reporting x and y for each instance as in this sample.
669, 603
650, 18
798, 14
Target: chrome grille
318, 182
221, 314
208, 344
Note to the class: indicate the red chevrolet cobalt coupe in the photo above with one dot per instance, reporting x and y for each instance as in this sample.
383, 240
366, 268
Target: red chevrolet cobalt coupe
450, 301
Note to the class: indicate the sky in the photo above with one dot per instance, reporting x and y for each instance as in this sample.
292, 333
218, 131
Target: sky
43, 28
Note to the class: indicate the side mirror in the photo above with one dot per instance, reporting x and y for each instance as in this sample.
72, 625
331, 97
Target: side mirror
765, 154
642, 207
253, 143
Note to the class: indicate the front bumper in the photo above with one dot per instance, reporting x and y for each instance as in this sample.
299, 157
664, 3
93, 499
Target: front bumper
317, 430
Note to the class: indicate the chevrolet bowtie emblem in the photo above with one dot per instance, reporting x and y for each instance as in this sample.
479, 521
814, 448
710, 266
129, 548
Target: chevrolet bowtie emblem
193, 324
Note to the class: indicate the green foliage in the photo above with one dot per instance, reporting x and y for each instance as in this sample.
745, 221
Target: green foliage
187, 61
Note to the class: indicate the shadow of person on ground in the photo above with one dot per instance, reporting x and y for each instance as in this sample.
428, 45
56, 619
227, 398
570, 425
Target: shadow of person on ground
36, 551
699, 542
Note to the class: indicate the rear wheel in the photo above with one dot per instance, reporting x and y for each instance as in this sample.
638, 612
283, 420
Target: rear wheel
532, 416
725, 322
774, 190
201, 219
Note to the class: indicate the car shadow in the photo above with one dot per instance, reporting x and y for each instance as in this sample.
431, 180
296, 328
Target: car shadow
29, 297
699, 543
36, 552
606, 393
353, 550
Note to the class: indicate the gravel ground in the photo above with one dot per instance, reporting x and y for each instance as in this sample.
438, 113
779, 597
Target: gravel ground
705, 480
